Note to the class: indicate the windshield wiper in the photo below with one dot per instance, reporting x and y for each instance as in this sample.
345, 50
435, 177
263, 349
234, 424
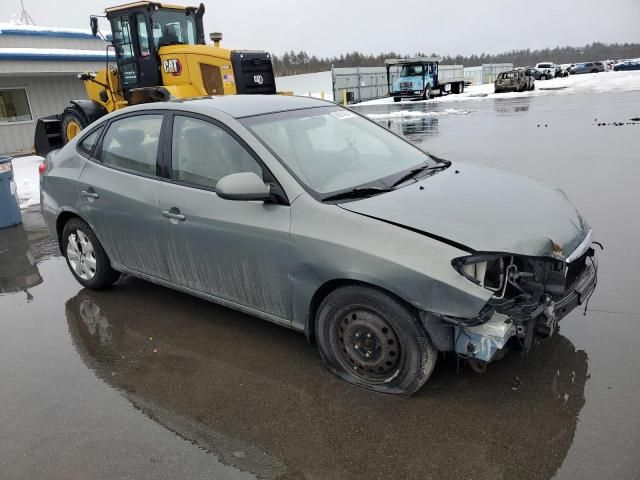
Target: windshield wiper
357, 193
414, 172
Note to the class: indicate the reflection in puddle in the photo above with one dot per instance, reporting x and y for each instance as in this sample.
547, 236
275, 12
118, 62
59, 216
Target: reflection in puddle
19, 270
257, 396
510, 106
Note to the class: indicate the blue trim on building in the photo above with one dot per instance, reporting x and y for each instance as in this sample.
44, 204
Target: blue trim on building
54, 57
49, 33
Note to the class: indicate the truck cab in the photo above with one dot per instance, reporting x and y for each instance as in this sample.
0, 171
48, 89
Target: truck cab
420, 78
415, 79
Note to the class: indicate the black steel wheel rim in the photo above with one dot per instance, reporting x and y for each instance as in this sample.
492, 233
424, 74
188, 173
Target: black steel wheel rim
366, 344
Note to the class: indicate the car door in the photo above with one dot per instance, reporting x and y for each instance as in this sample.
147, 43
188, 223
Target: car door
234, 250
118, 191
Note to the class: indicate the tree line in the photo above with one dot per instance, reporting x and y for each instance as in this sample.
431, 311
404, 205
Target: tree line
295, 63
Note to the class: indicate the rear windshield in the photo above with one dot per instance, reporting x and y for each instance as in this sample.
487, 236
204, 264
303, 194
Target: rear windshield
508, 75
544, 65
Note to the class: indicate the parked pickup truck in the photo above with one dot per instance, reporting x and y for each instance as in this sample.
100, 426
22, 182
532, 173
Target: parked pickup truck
423, 77
547, 70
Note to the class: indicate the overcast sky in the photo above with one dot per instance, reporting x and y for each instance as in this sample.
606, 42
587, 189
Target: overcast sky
330, 27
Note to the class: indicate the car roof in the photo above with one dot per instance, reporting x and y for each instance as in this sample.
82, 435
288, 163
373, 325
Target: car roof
239, 106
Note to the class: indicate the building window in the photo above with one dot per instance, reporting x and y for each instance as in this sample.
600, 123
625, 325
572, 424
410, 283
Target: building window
14, 105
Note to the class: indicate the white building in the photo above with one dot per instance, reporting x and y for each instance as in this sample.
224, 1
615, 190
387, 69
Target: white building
38, 77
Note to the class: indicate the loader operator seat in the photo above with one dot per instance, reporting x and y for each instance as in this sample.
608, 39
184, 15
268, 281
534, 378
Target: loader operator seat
169, 36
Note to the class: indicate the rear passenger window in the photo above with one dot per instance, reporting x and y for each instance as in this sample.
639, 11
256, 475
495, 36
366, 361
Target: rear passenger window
203, 153
132, 143
87, 143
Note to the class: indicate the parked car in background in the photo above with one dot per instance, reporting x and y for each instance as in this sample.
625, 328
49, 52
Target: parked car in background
517, 80
547, 70
533, 72
587, 67
562, 70
309, 215
628, 65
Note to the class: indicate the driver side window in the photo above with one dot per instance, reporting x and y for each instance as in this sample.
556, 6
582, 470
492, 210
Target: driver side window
202, 153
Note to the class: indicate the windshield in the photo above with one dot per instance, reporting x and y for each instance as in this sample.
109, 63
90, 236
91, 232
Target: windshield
331, 148
411, 70
173, 27
544, 65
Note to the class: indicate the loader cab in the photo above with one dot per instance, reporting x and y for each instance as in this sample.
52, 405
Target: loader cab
139, 31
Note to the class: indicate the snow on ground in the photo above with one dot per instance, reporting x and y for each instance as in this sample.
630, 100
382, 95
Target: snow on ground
25, 174
604, 82
307, 84
410, 114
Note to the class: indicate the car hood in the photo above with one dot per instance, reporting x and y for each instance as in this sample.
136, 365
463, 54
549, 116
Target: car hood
481, 209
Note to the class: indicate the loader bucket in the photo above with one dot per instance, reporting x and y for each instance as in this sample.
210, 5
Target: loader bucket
48, 135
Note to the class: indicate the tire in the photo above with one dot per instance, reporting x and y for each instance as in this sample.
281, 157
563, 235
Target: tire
426, 94
85, 256
594, 71
370, 339
396, 99
73, 121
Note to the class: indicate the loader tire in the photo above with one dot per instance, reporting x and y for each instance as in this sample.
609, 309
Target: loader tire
73, 122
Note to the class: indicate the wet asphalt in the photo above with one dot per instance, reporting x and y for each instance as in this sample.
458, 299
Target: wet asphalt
143, 382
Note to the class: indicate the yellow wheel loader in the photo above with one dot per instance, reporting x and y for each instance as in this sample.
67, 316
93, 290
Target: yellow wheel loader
160, 54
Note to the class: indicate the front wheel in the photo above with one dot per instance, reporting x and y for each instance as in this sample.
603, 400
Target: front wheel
370, 339
85, 256
73, 122
426, 94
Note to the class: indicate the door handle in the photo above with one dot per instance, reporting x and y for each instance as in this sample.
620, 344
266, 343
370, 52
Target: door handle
90, 193
174, 214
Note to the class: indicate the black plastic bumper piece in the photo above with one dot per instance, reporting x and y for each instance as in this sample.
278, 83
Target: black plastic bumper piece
48, 135
580, 291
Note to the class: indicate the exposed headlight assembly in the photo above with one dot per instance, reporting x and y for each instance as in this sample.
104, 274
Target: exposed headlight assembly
488, 270
497, 271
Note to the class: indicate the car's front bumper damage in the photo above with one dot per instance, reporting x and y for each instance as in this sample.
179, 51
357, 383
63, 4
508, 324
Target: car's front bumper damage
504, 324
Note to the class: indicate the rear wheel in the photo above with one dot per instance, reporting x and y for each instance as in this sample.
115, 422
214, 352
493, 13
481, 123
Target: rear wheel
85, 256
73, 121
370, 339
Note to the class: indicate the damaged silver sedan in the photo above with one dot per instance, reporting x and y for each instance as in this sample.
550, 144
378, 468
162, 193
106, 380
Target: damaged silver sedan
311, 216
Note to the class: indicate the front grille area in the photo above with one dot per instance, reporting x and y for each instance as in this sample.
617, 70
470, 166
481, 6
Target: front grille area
406, 85
211, 79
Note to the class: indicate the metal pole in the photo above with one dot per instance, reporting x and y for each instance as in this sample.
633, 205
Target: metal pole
333, 84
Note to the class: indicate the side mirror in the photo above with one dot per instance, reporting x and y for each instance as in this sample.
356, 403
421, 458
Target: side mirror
93, 22
243, 186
